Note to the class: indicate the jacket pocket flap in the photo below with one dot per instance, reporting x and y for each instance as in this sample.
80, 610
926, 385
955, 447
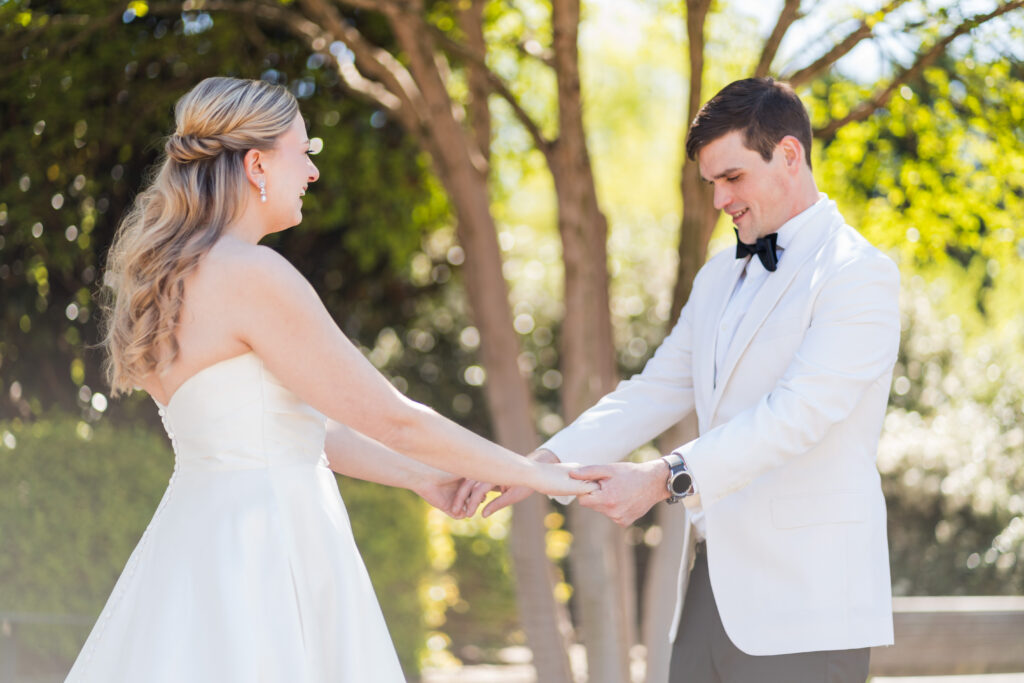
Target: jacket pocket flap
836, 507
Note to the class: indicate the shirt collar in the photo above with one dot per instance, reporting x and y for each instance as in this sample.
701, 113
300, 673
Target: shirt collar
791, 227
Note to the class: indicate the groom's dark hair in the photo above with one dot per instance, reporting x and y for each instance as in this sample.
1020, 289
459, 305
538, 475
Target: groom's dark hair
764, 109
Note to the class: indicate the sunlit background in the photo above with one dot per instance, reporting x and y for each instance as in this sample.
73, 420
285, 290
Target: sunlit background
935, 178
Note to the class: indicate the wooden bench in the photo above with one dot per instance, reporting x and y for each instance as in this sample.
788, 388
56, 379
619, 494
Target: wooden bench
938, 636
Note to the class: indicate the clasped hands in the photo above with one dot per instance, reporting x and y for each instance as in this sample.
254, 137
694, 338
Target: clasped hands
623, 491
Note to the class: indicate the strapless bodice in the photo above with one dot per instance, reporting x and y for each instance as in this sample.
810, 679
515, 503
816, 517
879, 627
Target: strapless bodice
236, 415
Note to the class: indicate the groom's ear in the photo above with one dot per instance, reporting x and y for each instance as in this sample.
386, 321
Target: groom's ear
792, 153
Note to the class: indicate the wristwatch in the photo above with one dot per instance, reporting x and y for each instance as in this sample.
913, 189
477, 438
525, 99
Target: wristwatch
680, 481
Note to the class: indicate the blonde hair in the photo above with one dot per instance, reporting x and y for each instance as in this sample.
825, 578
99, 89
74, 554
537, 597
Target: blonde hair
199, 188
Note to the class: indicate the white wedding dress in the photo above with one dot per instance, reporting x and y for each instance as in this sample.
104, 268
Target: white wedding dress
248, 571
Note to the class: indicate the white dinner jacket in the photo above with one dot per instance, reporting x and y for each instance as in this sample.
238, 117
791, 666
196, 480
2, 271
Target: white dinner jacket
785, 458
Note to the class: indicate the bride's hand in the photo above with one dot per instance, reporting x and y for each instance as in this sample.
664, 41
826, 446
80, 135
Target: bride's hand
441, 491
550, 477
473, 493
553, 479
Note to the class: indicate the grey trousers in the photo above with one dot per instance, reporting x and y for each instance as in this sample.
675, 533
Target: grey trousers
703, 652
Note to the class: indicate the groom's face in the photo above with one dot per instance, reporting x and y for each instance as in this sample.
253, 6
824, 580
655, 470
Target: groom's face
754, 192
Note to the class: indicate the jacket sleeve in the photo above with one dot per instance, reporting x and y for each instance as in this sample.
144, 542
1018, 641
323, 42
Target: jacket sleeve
639, 409
851, 344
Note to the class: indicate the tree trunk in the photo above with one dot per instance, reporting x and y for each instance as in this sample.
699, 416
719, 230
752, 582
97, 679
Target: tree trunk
699, 213
699, 217
661, 583
510, 406
507, 392
471, 21
598, 561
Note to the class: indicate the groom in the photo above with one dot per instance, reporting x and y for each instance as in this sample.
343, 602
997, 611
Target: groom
785, 350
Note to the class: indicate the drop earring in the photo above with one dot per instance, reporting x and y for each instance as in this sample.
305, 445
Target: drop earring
263, 190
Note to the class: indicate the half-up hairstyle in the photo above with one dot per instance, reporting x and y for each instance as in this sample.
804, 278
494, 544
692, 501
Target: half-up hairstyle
198, 188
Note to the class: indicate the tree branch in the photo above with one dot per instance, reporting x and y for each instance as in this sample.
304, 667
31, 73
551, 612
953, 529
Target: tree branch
389, 90
924, 59
474, 56
373, 60
471, 22
497, 85
790, 12
83, 25
254, 33
843, 47
532, 48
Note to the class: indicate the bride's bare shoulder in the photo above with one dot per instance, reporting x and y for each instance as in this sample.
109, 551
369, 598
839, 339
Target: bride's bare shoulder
231, 258
239, 268
255, 295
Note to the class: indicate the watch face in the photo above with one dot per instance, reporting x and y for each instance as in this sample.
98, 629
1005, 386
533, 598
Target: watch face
681, 483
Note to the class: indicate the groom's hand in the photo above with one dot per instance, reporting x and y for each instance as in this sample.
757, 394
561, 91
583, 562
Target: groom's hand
628, 490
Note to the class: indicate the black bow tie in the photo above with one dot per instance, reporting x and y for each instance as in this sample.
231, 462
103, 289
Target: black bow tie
764, 248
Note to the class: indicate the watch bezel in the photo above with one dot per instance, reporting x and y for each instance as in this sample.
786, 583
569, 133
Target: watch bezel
676, 470
674, 480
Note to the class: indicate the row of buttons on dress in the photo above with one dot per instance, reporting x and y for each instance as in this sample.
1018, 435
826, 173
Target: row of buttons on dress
167, 428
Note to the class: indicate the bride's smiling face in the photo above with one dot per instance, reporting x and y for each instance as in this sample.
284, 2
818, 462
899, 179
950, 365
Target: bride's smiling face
288, 171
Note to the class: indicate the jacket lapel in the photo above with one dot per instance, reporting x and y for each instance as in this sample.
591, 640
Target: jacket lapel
806, 243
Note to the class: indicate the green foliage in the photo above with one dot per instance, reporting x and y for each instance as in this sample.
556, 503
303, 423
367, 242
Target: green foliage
75, 499
85, 96
936, 175
390, 529
485, 615
952, 455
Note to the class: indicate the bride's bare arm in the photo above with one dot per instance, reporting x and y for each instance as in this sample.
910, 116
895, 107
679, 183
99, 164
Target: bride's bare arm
357, 455
276, 312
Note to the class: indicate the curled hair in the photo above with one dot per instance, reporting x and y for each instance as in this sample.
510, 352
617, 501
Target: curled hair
198, 188
764, 109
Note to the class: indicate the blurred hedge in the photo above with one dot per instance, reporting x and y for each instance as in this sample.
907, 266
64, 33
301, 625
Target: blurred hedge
390, 529
75, 498
952, 453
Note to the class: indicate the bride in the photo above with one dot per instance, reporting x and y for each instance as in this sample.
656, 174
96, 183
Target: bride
248, 570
